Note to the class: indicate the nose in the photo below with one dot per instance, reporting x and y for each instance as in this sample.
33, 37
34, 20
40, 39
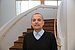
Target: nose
36, 21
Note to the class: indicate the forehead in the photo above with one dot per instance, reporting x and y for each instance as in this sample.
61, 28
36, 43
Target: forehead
37, 16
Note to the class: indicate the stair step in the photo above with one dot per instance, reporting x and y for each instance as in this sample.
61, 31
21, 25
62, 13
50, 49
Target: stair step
24, 33
51, 20
52, 28
18, 43
49, 25
21, 38
15, 48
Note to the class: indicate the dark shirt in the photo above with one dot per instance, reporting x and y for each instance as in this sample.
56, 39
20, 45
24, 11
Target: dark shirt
46, 42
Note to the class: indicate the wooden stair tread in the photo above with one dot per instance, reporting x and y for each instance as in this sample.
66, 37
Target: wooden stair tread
15, 48
18, 41
24, 33
49, 20
21, 36
44, 28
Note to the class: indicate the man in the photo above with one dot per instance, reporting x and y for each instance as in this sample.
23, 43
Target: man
39, 39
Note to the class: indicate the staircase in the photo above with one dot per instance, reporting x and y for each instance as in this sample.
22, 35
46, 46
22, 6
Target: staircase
49, 26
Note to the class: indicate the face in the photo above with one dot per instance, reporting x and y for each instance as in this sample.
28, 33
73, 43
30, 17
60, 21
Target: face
37, 22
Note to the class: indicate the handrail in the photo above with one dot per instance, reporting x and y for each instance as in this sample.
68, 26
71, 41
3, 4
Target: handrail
55, 32
5, 28
56, 35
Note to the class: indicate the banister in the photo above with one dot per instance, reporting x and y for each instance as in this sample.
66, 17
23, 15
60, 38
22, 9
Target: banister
56, 35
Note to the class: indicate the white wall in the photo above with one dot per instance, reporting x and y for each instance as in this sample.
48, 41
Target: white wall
62, 24
0, 12
0, 7
7, 8
71, 24
67, 21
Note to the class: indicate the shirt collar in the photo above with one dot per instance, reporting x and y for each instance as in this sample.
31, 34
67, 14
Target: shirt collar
40, 32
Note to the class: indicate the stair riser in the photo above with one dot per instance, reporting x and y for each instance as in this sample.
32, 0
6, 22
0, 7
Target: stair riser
43, 28
49, 25
51, 20
21, 39
18, 44
24, 33
30, 30
15, 49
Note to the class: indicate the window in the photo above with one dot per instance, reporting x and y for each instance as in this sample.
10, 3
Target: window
22, 6
53, 3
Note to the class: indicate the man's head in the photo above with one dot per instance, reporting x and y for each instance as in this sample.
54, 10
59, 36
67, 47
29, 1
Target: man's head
37, 21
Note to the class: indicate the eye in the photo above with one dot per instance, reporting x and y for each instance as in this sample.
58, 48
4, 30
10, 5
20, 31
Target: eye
39, 19
33, 20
